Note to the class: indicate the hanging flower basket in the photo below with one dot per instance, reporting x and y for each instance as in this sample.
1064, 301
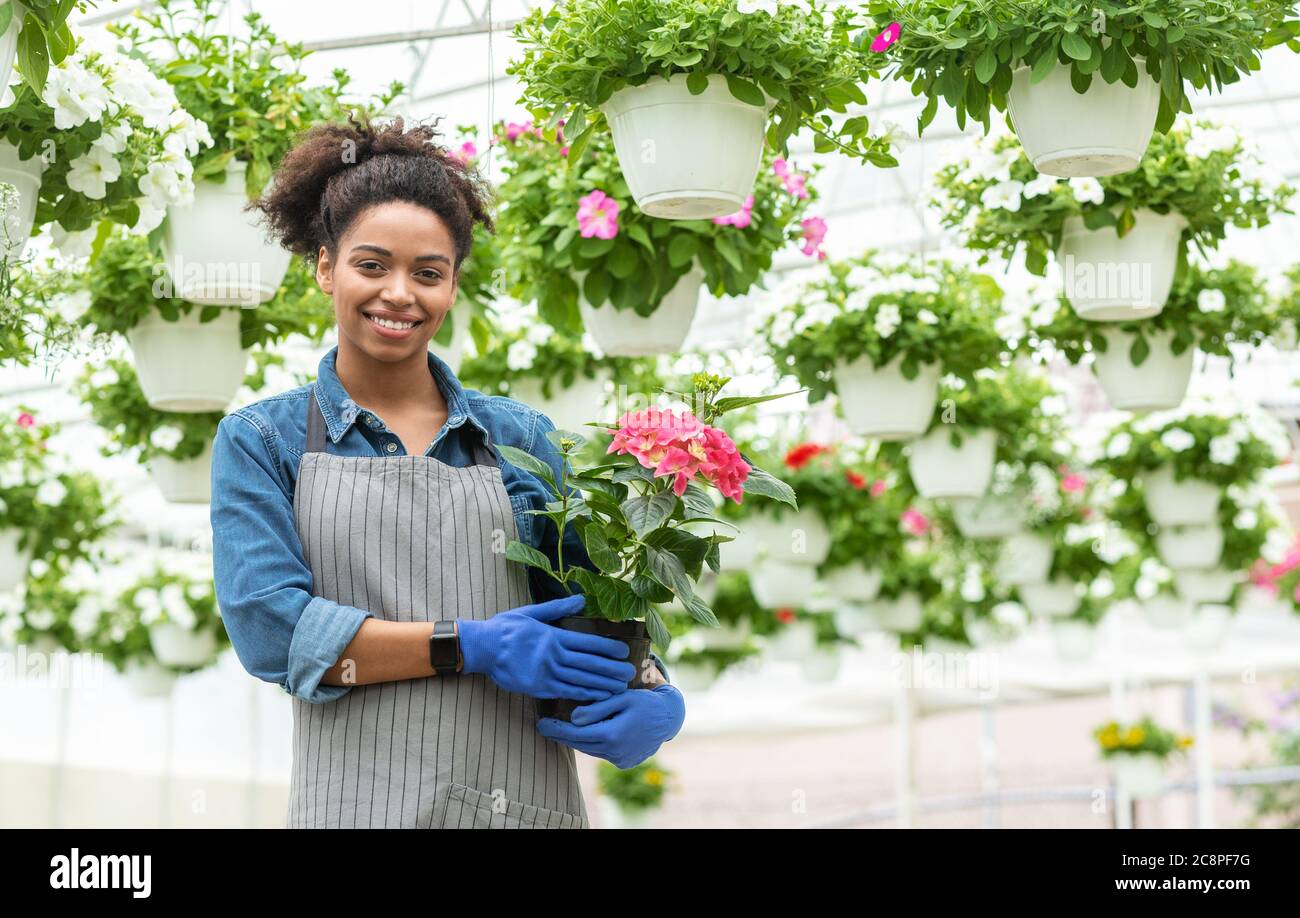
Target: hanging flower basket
741, 553
1113, 278
941, 469
572, 408
13, 562
216, 253
1058, 598
883, 403
695, 676
777, 584
1159, 382
797, 537
899, 615
792, 642
188, 365
181, 647
1103, 131
852, 583
1208, 627
1168, 613
25, 176
1196, 547
624, 333
1025, 558
1141, 774
727, 636
822, 665
149, 679
852, 620
687, 157
993, 516
1074, 640
183, 482
1198, 586
1188, 502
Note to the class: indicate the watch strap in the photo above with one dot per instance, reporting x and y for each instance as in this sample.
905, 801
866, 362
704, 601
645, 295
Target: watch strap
444, 649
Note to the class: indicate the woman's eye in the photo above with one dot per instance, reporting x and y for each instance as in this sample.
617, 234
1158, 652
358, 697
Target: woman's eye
370, 266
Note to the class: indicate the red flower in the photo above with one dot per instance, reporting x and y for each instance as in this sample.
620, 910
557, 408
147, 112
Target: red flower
785, 615
802, 454
858, 481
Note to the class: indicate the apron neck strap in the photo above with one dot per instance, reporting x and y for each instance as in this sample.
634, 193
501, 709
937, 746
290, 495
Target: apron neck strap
318, 436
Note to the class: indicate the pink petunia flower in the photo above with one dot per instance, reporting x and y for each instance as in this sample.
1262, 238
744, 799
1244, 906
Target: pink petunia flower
1073, 483
26, 420
465, 154
878, 487
915, 521
679, 444
598, 216
741, 218
887, 37
814, 232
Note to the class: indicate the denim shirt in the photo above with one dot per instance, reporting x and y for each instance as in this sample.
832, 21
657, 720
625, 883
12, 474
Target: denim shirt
281, 632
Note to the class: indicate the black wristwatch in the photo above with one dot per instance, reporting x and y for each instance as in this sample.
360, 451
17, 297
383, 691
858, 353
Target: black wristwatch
444, 649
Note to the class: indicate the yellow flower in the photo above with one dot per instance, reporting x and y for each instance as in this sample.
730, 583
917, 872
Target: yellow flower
1134, 736
1109, 740
1184, 742
654, 778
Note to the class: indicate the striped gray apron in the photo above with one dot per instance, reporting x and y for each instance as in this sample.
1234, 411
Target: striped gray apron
410, 538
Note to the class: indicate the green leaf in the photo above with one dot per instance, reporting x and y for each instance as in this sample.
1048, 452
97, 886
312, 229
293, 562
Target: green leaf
600, 551
33, 54
1139, 351
744, 90
761, 483
658, 631
688, 548
526, 554
682, 249
528, 462
6, 16
650, 589
723, 405
1044, 65
557, 435
645, 513
986, 65
1076, 46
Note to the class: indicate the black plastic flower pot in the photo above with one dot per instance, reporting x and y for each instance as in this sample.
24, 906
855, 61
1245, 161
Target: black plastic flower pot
632, 633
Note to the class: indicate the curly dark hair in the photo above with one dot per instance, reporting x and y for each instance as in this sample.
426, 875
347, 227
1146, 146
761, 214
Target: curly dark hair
338, 170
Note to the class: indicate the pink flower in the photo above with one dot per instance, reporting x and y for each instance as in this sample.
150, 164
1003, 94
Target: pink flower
814, 231
915, 521
886, 38
515, 130
26, 420
793, 181
681, 446
741, 218
1073, 483
564, 151
598, 216
878, 487
466, 153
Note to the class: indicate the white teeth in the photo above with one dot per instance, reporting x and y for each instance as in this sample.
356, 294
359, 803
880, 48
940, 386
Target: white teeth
386, 323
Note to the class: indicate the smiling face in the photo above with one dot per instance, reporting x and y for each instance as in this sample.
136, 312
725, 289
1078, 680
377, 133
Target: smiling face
391, 280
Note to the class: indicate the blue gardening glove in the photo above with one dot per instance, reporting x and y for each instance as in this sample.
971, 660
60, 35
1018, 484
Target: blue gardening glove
520, 652
625, 729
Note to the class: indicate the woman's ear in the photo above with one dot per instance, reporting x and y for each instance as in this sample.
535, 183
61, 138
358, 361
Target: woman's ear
324, 271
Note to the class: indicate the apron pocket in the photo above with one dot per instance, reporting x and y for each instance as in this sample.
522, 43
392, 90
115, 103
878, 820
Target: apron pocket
466, 808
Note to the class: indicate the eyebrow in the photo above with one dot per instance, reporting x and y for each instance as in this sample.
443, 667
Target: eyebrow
380, 250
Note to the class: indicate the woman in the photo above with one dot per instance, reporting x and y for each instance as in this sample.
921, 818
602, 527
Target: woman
360, 523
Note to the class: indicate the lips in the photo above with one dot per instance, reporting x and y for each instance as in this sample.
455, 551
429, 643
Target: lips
400, 326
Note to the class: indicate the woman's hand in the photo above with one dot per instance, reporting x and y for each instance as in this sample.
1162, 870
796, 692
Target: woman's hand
625, 729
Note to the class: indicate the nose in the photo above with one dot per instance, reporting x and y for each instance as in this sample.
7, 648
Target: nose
398, 292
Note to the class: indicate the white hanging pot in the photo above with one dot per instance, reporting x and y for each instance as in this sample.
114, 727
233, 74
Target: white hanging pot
1190, 547
983, 632
798, 537
45, 644
1103, 131
852, 583
1213, 586
1159, 383
727, 636
1208, 627
615, 815
1141, 774
781, 584
187, 481
1073, 639
181, 647
687, 157
9, 44
571, 408
1112, 279
741, 553
188, 365
1179, 503
149, 679
1168, 613
900, 615
624, 333
452, 352
695, 676
993, 516
1058, 598
792, 642
1025, 558
218, 254
25, 176
13, 562
852, 620
883, 403
941, 470
822, 665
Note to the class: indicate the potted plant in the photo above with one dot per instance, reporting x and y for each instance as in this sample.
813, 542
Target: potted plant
1184, 459
562, 376
45, 513
1075, 637
1077, 533
181, 615
880, 335
691, 90
104, 140
40, 303
629, 513
1055, 497
192, 358
1146, 365
823, 663
971, 607
36, 33
1118, 241
1084, 85
251, 91
1138, 753
909, 582
631, 792
571, 240
46, 611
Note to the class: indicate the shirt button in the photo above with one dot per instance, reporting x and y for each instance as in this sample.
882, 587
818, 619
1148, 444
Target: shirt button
391, 447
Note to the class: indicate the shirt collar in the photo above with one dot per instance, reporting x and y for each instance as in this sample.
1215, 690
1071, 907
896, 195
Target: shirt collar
341, 412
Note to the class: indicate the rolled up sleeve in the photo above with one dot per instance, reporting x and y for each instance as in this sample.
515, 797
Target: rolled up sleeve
280, 631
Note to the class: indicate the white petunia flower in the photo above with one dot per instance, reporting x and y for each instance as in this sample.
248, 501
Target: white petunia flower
166, 438
1245, 519
1044, 184
1087, 190
1003, 196
51, 493
1119, 445
76, 94
93, 171
1224, 450
521, 355
1177, 439
888, 317
1210, 300
926, 317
